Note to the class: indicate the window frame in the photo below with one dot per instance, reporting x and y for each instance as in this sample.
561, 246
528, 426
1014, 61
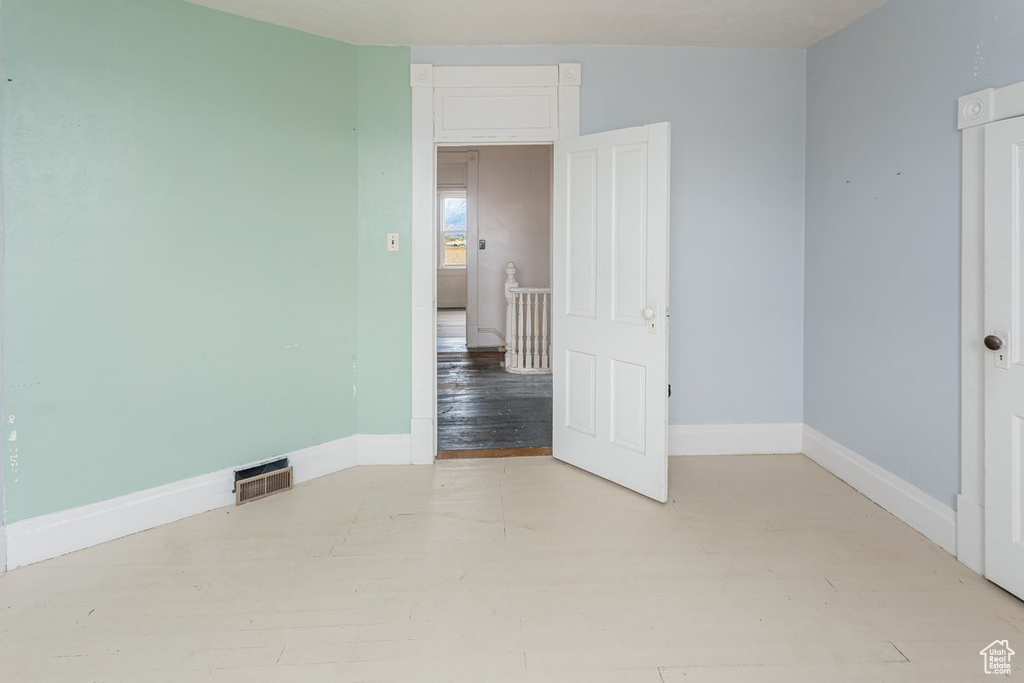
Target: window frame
442, 232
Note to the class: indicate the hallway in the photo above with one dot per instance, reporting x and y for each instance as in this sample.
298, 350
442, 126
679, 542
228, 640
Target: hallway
481, 407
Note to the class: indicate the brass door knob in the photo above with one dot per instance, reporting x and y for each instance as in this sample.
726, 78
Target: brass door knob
993, 343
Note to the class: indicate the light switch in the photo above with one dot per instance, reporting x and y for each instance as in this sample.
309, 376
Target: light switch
392, 241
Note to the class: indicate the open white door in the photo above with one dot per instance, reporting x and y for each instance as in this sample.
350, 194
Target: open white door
610, 314
1004, 369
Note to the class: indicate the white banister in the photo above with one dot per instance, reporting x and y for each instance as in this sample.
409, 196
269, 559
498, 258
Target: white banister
544, 343
519, 328
510, 284
529, 331
527, 342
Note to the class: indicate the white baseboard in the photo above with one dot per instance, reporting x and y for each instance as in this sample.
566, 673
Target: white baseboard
970, 534
489, 338
738, 439
316, 461
422, 440
46, 536
912, 505
385, 449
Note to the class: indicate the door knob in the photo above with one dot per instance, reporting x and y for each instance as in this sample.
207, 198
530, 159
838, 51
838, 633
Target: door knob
650, 313
993, 343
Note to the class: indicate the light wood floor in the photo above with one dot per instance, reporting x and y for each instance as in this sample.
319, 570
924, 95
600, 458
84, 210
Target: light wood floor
759, 569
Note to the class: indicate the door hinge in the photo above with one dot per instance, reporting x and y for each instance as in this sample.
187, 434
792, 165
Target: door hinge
670, 391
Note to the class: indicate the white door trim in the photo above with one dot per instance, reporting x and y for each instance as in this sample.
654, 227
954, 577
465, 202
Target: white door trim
975, 110
546, 91
472, 235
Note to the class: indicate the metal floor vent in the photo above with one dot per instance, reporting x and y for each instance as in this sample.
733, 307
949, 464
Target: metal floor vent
262, 485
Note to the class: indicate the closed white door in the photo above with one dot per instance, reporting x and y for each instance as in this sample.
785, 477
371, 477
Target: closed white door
1004, 369
610, 311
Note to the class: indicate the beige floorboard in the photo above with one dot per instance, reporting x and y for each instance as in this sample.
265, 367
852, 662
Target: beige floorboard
761, 568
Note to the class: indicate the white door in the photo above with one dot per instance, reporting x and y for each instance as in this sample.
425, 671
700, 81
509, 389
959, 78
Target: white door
1004, 369
610, 314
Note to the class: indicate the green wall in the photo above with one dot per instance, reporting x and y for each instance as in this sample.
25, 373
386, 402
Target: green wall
385, 278
183, 244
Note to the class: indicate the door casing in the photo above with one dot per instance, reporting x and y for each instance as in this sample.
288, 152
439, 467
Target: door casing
974, 111
458, 105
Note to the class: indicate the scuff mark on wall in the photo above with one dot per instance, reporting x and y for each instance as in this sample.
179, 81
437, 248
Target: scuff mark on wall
13, 455
993, 32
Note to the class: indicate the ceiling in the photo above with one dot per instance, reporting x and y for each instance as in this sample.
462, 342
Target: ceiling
725, 23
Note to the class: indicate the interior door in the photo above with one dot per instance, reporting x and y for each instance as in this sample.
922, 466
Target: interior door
1004, 370
610, 306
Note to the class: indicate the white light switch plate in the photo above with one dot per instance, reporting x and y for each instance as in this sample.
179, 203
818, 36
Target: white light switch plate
392, 241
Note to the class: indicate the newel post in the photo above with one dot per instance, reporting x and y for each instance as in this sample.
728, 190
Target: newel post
510, 337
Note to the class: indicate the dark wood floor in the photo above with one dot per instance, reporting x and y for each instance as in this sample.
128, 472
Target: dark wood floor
479, 405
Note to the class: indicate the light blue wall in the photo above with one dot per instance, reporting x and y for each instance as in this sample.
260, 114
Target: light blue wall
737, 209
883, 226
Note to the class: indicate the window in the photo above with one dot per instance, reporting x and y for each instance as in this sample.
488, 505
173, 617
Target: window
452, 225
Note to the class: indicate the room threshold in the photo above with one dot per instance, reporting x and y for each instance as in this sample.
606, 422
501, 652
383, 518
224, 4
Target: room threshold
471, 453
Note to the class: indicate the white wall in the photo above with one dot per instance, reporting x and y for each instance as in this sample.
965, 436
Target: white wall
736, 346
513, 213
883, 226
514, 216
451, 287
512, 203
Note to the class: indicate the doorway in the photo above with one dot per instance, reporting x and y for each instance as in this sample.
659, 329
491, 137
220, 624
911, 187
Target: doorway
468, 105
494, 390
610, 215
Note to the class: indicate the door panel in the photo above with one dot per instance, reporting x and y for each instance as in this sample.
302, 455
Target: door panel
581, 234
610, 310
629, 235
1004, 368
629, 406
581, 402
